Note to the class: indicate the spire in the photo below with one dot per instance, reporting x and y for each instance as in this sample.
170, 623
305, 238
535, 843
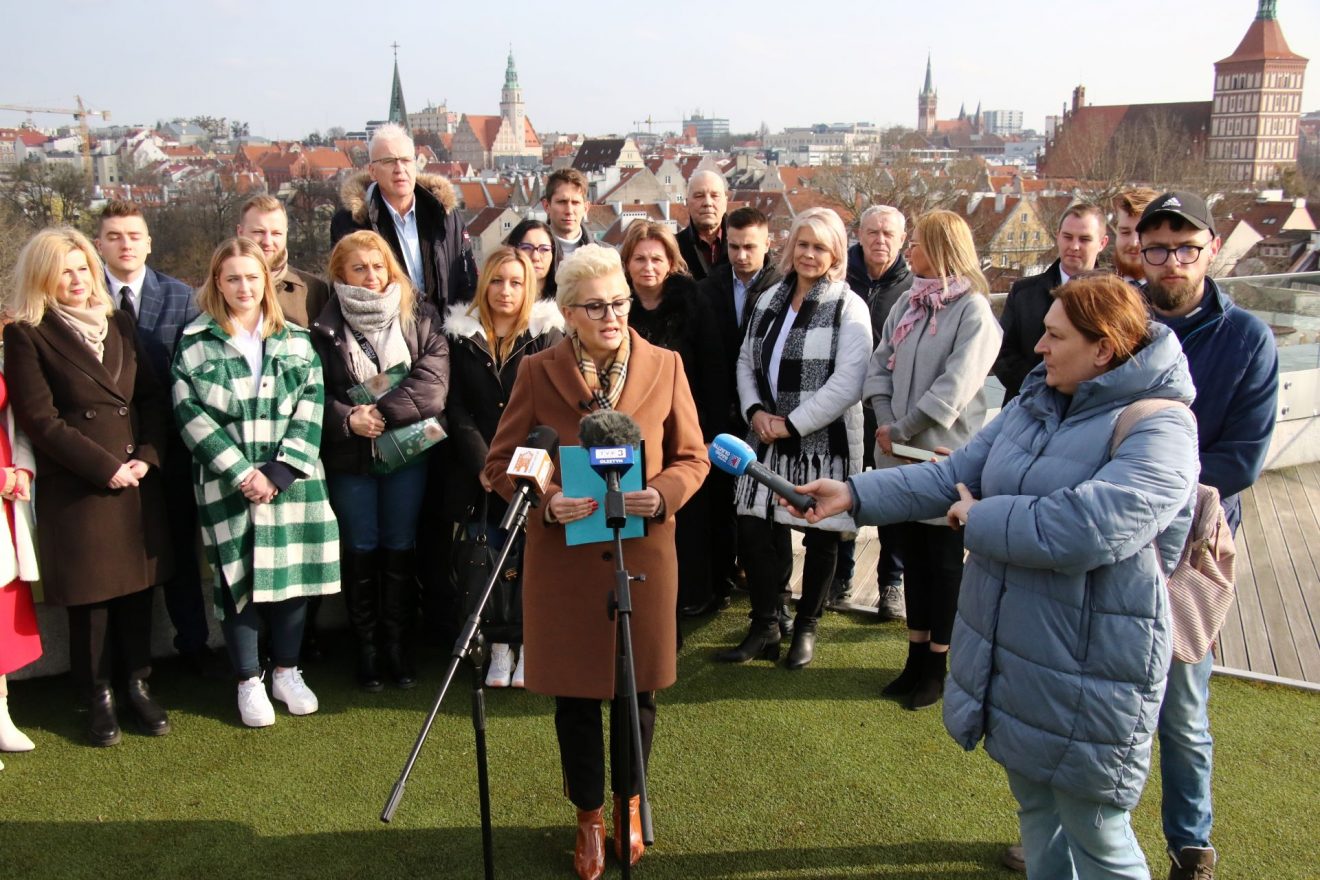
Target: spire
398, 111
1267, 11
928, 87
962, 110
510, 73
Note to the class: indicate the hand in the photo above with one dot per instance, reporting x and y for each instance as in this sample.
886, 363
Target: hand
957, 515
831, 497
645, 502
22, 486
138, 467
567, 510
123, 478
882, 439
942, 450
485, 482
769, 427
366, 421
258, 488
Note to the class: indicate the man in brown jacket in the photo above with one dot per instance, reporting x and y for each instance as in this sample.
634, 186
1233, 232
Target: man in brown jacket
302, 295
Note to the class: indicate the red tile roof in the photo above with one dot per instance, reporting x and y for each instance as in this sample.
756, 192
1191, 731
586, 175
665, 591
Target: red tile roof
487, 127
482, 220
1263, 41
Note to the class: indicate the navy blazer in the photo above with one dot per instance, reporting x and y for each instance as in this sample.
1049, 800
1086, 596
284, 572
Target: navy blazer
167, 306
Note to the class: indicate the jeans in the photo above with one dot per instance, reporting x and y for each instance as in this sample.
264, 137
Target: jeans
379, 511
1186, 754
285, 622
1064, 836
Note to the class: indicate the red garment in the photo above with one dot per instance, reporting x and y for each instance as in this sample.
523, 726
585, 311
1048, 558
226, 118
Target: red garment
20, 643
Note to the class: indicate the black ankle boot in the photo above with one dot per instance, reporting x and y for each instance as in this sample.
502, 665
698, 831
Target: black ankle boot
151, 719
907, 680
803, 648
399, 592
360, 577
102, 726
762, 641
931, 686
785, 620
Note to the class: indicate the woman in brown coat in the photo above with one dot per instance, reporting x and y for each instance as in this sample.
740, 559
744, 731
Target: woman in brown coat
97, 424
568, 635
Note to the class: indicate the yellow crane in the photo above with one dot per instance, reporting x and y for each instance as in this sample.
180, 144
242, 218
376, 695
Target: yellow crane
80, 113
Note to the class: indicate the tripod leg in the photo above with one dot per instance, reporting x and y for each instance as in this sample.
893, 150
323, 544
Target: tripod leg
483, 771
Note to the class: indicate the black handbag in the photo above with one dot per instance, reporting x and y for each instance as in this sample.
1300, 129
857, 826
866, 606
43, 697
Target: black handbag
472, 562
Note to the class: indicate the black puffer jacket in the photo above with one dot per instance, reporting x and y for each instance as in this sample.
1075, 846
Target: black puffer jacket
883, 292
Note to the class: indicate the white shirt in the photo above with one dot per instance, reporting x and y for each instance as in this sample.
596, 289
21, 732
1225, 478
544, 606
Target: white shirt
251, 346
1064, 277
405, 225
777, 353
567, 245
134, 288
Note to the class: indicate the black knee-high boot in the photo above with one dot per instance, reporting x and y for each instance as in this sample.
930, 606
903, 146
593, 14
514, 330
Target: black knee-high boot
399, 595
361, 579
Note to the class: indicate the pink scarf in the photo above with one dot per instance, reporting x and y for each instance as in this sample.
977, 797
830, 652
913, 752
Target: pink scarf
927, 297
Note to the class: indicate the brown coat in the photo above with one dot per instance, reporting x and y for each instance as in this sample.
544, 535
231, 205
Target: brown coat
302, 295
86, 418
568, 634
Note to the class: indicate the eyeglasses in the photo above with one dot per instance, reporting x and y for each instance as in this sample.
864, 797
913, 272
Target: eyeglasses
596, 310
528, 248
391, 161
1185, 254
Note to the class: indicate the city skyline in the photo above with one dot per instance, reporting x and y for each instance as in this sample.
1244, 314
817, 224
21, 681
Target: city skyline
781, 70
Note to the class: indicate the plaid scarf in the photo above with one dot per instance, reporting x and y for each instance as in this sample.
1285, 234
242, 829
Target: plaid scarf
927, 297
608, 388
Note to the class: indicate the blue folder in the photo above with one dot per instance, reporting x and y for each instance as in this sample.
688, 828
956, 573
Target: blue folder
580, 481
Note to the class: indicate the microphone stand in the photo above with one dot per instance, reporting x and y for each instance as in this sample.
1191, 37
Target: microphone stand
470, 646
620, 611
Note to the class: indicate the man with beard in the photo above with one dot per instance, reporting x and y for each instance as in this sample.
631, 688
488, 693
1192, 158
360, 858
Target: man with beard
703, 243
1128, 206
262, 220
1080, 239
1235, 368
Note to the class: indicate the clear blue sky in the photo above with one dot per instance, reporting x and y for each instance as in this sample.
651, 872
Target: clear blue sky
290, 67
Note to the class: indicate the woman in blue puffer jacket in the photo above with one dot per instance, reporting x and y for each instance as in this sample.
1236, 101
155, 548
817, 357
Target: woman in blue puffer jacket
1062, 639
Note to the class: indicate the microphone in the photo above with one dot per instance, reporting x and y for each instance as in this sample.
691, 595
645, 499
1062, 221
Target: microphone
733, 456
611, 438
530, 469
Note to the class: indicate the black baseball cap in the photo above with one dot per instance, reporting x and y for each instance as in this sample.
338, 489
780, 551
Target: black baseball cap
1189, 206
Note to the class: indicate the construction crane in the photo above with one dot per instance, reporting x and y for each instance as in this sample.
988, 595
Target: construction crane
80, 114
650, 123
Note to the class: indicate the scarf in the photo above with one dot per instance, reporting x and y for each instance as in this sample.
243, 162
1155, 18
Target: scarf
91, 323
372, 316
927, 297
606, 388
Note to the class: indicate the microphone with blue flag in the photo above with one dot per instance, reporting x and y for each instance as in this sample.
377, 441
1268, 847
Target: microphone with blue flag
733, 456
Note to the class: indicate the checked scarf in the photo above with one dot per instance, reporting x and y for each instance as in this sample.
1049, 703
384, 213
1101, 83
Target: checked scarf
605, 389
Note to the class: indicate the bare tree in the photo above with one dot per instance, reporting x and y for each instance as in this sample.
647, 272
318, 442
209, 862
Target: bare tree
42, 194
312, 203
903, 182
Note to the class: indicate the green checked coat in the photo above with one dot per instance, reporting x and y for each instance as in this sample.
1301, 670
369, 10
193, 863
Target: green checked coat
261, 552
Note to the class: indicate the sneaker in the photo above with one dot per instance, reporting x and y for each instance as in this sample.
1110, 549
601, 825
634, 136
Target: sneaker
253, 705
519, 673
288, 687
890, 605
1193, 863
501, 667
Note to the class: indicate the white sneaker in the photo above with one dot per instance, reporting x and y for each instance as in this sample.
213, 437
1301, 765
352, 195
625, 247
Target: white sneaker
501, 667
253, 705
11, 738
519, 674
288, 687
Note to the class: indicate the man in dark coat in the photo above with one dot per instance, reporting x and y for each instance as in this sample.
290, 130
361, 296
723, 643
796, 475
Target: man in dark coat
162, 306
703, 243
416, 214
263, 220
878, 274
1080, 239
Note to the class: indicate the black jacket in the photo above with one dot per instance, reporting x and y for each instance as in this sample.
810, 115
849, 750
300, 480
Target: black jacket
717, 290
683, 322
696, 253
1023, 321
883, 292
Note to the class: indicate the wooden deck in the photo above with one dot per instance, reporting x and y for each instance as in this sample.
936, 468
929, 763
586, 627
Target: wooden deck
1273, 630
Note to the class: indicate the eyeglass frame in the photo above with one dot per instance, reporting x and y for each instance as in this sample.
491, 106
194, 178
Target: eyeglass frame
1168, 251
600, 306
528, 248
394, 160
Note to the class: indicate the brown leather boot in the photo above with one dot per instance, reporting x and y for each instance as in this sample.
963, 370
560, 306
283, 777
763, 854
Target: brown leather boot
634, 828
589, 851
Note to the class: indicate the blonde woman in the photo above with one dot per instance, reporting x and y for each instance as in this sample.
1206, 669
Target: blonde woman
488, 339
247, 398
83, 393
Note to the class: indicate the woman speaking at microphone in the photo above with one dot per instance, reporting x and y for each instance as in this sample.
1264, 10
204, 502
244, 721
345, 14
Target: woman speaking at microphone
568, 635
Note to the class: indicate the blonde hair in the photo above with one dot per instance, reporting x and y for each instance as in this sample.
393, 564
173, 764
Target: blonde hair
947, 240
648, 230
481, 304
828, 228
587, 262
366, 240
212, 301
38, 270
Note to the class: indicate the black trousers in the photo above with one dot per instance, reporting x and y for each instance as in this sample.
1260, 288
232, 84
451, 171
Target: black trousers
933, 565
766, 550
110, 642
582, 747
706, 541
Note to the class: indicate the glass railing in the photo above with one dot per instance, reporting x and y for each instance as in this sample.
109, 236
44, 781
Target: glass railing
1290, 304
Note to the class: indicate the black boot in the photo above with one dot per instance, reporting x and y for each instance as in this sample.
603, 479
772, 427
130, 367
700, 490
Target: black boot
102, 726
803, 648
151, 718
907, 680
931, 687
785, 620
399, 592
762, 641
360, 574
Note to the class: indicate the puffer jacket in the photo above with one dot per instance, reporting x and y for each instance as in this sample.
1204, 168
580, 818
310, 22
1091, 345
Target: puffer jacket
1062, 641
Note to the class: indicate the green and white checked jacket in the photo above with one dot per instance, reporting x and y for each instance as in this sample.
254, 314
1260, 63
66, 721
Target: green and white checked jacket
260, 552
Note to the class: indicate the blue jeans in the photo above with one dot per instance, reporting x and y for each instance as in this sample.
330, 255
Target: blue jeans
1065, 837
1186, 752
284, 620
378, 511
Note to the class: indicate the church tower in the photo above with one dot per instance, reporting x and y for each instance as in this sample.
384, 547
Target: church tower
926, 104
511, 102
398, 111
1257, 103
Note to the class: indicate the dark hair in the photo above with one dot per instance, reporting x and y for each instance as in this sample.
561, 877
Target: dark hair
118, 208
747, 216
515, 238
1103, 306
565, 177
1082, 210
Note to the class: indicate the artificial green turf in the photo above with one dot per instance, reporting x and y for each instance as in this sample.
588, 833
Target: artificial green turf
756, 773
